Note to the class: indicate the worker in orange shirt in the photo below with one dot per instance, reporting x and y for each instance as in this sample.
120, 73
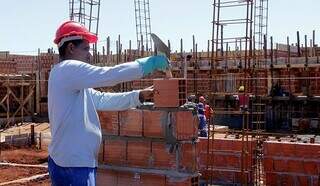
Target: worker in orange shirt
208, 111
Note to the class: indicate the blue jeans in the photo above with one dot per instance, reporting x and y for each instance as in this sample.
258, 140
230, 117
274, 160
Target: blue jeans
77, 176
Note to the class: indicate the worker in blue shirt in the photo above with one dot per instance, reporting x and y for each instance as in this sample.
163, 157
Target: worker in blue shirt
203, 130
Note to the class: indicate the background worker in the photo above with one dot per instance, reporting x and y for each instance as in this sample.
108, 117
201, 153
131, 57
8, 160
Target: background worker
72, 103
243, 99
202, 117
208, 111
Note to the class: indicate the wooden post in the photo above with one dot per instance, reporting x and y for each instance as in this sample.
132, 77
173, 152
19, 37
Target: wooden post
32, 140
289, 51
22, 100
130, 52
298, 44
40, 140
108, 48
8, 104
271, 60
142, 47
314, 43
38, 84
306, 49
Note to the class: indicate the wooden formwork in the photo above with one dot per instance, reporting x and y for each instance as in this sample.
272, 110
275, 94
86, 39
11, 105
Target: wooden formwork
17, 98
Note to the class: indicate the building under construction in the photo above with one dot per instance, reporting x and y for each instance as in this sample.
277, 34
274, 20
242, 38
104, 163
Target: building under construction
273, 141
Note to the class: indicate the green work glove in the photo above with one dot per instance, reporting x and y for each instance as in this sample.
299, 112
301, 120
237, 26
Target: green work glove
153, 63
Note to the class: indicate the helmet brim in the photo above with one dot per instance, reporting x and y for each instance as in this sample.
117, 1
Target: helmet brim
90, 37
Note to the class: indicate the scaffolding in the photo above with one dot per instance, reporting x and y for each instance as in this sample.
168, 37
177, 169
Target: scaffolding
223, 36
228, 16
143, 24
86, 12
260, 30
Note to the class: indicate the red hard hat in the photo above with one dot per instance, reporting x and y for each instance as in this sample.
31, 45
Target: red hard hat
202, 99
71, 30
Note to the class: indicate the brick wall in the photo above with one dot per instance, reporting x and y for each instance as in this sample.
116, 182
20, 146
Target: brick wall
226, 160
161, 140
125, 178
291, 163
181, 124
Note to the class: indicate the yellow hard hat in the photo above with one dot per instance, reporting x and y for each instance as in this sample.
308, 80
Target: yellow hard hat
241, 88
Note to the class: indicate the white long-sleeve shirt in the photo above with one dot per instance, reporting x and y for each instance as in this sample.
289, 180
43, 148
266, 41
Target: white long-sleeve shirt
72, 104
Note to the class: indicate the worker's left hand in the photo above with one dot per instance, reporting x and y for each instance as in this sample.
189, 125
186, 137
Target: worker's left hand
154, 63
146, 94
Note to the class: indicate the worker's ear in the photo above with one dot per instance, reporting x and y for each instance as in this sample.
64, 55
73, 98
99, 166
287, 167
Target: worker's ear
70, 48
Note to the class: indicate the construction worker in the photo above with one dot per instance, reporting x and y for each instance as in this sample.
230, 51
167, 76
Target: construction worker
243, 99
72, 103
202, 117
208, 111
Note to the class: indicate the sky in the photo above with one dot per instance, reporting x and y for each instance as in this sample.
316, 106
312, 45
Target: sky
27, 25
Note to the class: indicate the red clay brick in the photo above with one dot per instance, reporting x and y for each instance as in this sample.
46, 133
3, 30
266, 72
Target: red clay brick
311, 167
119, 178
131, 123
204, 160
139, 153
279, 149
153, 180
295, 166
128, 178
188, 181
137, 179
268, 164
109, 121
203, 144
161, 156
114, 152
271, 179
308, 150
224, 176
287, 180
152, 123
189, 160
303, 180
167, 93
280, 165
287, 149
106, 177
186, 125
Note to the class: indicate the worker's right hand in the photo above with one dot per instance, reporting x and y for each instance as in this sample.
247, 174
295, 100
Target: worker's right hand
154, 63
146, 94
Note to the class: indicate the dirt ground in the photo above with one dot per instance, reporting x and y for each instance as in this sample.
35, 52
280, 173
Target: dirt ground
23, 155
27, 155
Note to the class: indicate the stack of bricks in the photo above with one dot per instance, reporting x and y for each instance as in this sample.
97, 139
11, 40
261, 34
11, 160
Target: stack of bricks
8, 67
25, 64
151, 146
230, 161
191, 82
315, 82
203, 82
291, 163
47, 60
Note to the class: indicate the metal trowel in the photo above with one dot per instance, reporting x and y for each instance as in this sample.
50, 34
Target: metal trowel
161, 49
